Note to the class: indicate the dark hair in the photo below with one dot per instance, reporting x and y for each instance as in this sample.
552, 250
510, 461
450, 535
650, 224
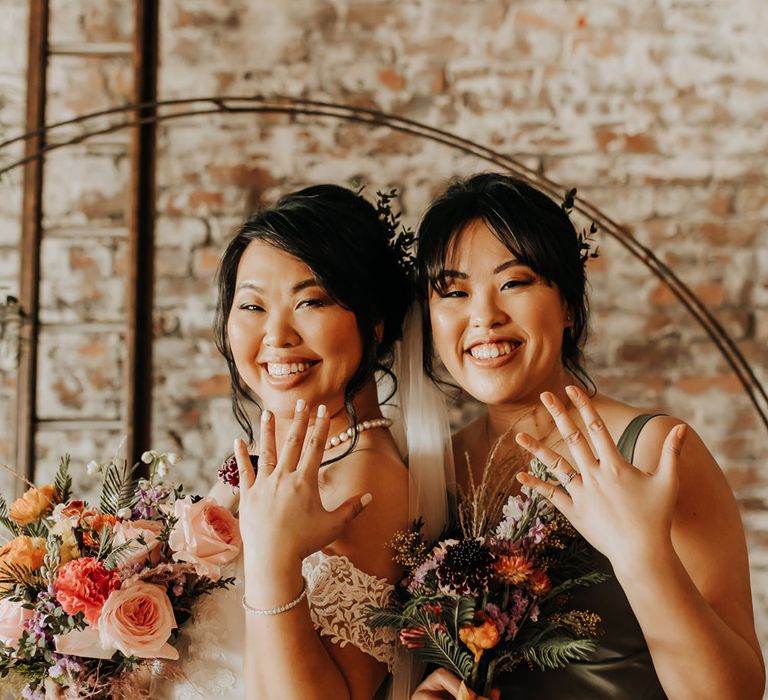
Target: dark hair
531, 225
339, 236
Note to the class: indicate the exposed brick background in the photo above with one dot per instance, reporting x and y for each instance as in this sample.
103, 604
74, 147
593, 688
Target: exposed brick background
656, 111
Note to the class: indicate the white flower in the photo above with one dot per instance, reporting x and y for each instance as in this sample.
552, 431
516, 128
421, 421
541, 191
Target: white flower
148, 457
162, 469
124, 513
173, 458
57, 515
93, 467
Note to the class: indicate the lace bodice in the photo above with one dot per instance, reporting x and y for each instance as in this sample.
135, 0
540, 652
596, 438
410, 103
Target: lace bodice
211, 643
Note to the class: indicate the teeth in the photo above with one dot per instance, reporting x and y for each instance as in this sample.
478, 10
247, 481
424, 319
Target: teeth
488, 351
283, 370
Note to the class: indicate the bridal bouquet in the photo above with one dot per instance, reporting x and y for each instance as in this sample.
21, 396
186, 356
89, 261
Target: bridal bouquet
92, 596
494, 595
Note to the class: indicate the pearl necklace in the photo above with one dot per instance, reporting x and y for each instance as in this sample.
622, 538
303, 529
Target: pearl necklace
347, 434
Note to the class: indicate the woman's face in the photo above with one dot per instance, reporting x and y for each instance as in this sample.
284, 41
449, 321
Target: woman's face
498, 327
288, 338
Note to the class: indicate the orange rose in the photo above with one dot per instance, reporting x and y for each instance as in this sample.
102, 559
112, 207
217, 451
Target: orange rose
22, 551
480, 637
33, 504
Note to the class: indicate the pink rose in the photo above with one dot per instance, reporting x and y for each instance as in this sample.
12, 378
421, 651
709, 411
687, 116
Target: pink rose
12, 619
206, 535
137, 620
131, 531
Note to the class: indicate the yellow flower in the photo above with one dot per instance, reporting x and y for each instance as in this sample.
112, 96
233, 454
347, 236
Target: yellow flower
33, 505
22, 551
512, 568
480, 637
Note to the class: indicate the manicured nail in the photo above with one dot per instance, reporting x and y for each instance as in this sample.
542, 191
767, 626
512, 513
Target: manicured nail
682, 431
547, 399
572, 392
236, 444
523, 439
301, 404
266, 416
321, 410
366, 499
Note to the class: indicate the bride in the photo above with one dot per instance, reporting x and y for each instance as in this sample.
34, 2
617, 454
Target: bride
311, 302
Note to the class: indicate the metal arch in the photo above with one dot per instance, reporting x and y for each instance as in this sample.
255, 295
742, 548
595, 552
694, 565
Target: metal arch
233, 104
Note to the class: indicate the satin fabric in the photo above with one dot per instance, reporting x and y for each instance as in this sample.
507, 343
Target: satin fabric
621, 667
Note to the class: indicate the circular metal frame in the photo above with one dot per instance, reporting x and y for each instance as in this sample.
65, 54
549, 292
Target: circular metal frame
168, 110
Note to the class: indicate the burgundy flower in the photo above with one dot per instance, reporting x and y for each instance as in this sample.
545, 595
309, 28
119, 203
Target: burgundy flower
465, 568
228, 472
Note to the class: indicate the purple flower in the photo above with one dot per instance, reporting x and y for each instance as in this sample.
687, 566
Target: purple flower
504, 623
29, 693
63, 665
518, 605
420, 574
149, 498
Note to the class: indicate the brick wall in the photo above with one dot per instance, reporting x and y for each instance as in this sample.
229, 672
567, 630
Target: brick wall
655, 111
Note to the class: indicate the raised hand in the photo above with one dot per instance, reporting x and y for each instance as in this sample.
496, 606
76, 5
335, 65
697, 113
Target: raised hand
281, 515
620, 510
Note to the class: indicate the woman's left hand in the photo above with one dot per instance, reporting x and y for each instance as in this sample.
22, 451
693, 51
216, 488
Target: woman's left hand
620, 510
282, 518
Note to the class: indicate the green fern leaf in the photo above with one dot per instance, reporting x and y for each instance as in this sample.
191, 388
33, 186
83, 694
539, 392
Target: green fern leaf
118, 489
6, 521
589, 579
63, 481
384, 617
440, 648
558, 652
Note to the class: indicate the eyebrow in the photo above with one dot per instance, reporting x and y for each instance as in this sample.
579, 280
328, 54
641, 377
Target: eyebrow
304, 284
457, 274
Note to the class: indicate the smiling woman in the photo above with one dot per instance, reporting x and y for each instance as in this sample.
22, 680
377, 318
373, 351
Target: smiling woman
311, 301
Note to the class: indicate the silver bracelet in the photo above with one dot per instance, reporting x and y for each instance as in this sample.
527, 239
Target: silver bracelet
280, 609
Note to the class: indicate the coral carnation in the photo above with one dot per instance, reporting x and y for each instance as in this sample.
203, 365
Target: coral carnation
512, 568
83, 585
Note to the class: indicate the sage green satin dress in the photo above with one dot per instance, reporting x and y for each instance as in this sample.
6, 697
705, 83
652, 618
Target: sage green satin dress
621, 667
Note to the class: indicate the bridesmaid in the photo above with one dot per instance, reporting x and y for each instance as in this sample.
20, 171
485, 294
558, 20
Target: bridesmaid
502, 283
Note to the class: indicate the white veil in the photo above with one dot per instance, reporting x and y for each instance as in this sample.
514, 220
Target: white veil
422, 432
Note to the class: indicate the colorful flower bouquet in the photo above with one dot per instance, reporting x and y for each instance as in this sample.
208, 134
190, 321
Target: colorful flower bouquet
92, 597
495, 595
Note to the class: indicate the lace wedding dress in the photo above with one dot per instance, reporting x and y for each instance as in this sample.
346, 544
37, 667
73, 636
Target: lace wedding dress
211, 643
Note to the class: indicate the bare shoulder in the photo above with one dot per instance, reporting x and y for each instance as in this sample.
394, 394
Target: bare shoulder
385, 477
707, 531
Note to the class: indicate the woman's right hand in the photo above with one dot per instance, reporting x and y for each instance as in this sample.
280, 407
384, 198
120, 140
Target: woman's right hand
443, 685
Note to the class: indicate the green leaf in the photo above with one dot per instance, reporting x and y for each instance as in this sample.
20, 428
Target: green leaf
589, 579
63, 481
118, 488
5, 520
557, 652
440, 648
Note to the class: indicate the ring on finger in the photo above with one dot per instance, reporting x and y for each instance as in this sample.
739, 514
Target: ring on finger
568, 478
